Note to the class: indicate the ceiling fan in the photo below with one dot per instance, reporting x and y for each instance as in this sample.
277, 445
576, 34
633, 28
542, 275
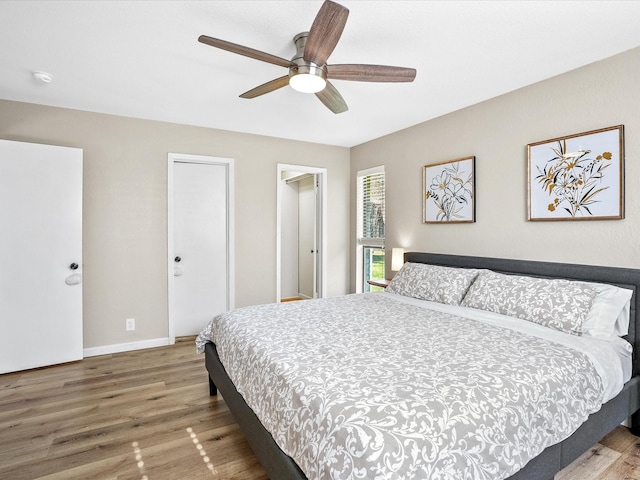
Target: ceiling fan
308, 69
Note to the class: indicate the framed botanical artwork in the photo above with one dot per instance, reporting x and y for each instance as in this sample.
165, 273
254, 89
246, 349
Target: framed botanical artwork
577, 177
449, 195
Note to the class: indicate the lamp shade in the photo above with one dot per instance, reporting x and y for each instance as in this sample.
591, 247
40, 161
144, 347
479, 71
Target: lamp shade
397, 259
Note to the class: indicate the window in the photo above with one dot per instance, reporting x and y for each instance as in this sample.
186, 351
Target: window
370, 233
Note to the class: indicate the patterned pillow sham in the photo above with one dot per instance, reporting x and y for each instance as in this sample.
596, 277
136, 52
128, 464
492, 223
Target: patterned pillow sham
431, 282
559, 304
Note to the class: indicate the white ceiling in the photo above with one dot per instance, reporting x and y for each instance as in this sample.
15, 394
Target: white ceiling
142, 58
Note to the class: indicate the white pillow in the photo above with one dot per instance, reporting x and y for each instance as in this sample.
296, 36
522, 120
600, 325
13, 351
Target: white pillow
609, 314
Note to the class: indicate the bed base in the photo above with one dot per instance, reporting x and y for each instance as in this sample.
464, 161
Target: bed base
277, 464
625, 405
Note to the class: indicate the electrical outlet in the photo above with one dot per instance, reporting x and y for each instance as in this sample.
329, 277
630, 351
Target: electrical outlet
131, 324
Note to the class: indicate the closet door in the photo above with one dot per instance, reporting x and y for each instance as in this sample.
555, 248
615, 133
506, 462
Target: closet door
40, 255
200, 245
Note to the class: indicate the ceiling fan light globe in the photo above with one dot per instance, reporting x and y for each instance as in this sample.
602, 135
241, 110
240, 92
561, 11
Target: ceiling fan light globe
307, 83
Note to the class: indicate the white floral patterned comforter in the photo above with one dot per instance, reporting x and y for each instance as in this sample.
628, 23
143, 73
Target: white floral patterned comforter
367, 387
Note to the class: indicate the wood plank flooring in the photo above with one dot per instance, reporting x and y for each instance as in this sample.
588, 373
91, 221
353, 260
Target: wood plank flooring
147, 415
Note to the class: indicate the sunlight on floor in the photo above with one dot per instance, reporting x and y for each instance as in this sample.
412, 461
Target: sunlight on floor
203, 453
139, 461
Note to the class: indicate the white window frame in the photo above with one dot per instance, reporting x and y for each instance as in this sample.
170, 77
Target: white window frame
361, 242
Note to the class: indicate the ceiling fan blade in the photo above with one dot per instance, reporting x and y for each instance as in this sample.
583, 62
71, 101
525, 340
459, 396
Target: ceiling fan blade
371, 73
246, 51
332, 99
325, 32
267, 87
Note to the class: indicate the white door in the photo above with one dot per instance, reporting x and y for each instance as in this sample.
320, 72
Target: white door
200, 245
40, 248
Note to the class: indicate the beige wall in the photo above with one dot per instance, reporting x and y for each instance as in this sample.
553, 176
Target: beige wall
125, 209
125, 162
497, 132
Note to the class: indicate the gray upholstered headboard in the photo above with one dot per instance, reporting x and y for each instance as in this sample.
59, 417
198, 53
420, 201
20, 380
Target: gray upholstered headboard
622, 277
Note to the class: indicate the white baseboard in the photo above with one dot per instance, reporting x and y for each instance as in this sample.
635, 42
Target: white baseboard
125, 347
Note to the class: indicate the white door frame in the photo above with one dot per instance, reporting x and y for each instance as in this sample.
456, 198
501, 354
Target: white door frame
174, 158
322, 173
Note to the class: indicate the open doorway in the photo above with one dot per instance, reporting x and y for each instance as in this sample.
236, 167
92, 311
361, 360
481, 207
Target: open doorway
301, 232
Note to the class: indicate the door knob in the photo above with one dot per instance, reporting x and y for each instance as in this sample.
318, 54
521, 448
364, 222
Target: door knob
73, 266
177, 259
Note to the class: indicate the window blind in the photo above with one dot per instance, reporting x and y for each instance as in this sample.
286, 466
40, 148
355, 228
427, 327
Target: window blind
371, 201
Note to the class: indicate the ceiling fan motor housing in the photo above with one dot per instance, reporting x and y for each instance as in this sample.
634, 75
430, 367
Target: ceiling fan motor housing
306, 76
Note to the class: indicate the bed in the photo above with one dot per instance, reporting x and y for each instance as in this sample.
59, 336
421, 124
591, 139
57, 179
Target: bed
599, 419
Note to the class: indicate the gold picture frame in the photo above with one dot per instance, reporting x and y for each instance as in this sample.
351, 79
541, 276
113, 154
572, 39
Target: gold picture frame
577, 177
449, 191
